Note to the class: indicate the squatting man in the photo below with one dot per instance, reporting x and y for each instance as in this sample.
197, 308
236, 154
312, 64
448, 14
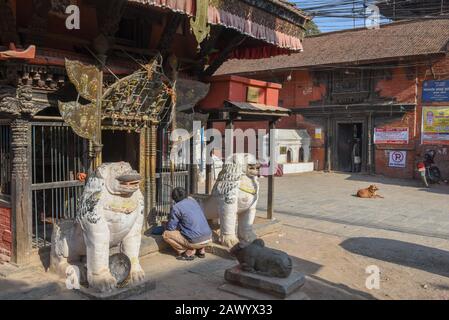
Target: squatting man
187, 230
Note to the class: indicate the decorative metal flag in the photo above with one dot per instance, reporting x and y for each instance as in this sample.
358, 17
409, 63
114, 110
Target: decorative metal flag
189, 93
85, 78
83, 119
199, 24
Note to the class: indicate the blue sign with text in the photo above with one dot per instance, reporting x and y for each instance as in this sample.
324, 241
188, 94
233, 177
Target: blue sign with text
435, 91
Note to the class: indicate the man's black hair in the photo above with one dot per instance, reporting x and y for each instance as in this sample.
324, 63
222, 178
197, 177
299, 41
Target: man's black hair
179, 194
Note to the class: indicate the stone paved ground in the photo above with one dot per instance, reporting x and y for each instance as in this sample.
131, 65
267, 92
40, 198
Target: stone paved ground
407, 207
335, 236
332, 238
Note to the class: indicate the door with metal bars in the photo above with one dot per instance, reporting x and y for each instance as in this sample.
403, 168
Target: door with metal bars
168, 177
59, 156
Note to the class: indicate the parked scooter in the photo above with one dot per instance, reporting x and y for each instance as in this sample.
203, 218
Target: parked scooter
430, 173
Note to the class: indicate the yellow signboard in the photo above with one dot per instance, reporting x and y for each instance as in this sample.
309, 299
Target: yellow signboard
435, 125
253, 94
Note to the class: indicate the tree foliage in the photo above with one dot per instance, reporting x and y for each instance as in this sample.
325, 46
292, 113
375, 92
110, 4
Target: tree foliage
312, 29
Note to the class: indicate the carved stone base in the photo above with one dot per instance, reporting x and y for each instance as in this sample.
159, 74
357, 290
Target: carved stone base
278, 287
119, 294
252, 294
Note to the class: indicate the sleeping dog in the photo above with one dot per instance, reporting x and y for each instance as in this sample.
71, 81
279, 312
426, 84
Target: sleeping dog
369, 193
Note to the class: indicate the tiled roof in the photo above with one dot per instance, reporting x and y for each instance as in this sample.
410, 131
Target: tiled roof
290, 6
392, 41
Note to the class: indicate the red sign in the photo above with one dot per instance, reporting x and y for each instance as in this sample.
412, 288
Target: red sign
391, 136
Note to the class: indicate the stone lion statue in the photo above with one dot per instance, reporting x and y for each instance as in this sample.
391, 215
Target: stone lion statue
234, 199
110, 214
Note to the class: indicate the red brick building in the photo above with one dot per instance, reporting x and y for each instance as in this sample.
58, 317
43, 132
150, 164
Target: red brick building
355, 83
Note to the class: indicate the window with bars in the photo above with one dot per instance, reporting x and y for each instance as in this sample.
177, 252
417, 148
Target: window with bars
58, 156
5, 160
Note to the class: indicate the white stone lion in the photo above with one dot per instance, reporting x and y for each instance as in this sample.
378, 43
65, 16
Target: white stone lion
234, 198
110, 214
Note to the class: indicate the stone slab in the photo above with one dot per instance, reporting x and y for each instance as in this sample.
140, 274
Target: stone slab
219, 251
275, 286
263, 227
251, 294
7, 269
119, 294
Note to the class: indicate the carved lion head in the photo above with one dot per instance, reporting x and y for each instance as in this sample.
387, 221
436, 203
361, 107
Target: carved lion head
119, 178
248, 162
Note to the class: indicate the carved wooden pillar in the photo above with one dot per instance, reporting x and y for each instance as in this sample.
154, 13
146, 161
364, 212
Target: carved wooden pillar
153, 159
150, 174
21, 190
17, 104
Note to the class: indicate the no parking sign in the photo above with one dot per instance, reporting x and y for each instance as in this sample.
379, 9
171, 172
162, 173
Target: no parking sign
398, 159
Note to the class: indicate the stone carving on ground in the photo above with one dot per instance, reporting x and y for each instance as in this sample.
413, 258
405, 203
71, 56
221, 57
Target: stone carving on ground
234, 199
257, 258
110, 214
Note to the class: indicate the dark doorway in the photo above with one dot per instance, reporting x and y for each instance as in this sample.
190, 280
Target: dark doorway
289, 156
301, 155
349, 147
121, 146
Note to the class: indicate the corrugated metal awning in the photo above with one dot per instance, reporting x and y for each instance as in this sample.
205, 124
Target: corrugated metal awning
256, 109
241, 16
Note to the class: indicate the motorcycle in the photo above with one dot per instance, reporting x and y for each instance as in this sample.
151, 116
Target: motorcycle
430, 173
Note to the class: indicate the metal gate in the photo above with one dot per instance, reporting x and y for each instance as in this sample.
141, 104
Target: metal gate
166, 179
58, 156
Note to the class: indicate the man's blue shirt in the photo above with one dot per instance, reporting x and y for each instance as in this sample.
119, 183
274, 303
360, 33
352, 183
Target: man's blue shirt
188, 217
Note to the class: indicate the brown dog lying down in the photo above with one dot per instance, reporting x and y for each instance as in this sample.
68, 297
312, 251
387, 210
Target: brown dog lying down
369, 193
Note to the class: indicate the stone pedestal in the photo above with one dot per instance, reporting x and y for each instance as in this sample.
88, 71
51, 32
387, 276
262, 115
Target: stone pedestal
278, 287
119, 294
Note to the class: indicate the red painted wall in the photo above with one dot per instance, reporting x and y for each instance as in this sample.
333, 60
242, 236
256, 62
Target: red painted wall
5, 230
234, 88
403, 86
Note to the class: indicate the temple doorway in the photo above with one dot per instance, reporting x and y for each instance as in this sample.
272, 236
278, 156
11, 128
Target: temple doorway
349, 147
121, 146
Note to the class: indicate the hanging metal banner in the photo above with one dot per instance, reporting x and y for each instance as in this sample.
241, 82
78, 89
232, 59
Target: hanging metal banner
82, 118
84, 77
199, 24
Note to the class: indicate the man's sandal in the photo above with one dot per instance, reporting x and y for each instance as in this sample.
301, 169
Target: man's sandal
201, 255
185, 257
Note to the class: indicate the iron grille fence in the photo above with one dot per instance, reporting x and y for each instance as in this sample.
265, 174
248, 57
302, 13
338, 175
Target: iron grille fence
5, 160
166, 178
58, 156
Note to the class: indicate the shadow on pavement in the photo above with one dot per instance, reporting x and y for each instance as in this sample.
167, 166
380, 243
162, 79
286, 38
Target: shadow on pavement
320, 289
399, 252
21, 290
